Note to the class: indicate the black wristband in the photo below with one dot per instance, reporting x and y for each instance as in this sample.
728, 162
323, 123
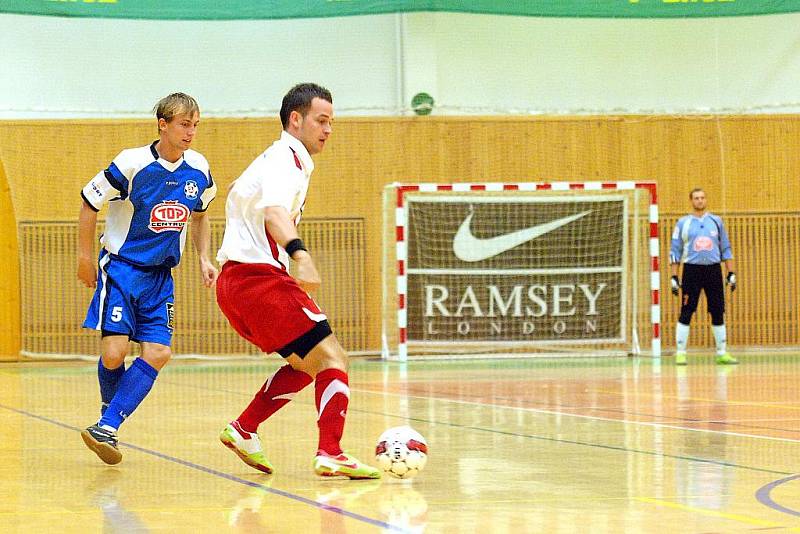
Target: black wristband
294, 245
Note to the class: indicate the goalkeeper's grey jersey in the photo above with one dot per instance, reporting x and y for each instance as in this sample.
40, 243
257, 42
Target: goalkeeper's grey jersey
700, 240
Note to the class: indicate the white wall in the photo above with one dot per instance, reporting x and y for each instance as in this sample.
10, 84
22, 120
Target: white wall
88, 67
497, 64
56, 67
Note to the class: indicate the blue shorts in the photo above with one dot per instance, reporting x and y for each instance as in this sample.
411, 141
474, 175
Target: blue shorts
134, 301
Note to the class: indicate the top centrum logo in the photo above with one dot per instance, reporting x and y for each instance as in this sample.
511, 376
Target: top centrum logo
469, 248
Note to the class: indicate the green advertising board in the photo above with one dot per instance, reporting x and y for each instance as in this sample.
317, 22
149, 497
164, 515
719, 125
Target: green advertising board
284, 9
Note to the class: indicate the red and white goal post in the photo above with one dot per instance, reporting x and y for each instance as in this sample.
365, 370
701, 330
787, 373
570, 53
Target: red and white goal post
520, 269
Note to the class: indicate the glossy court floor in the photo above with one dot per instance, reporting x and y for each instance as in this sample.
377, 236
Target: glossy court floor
548, 445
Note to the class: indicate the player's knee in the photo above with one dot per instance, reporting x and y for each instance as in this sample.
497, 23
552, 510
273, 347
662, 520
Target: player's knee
112, 359
340, 361
686, 316
331, 361
329, 354
157, 355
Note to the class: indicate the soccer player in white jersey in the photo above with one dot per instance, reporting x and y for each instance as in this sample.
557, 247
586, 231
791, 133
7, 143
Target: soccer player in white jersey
701, 243
270, 308
153, 193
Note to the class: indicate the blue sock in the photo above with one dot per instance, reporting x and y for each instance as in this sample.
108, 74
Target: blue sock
109, 382
133, 388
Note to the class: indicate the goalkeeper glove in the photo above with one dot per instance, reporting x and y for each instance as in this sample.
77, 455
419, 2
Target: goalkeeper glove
675, 285
731, 280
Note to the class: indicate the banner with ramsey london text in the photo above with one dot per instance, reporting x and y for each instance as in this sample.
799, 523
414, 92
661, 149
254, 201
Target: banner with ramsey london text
485, 268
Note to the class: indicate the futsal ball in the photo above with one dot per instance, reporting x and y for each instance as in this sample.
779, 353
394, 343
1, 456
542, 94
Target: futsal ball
401, 452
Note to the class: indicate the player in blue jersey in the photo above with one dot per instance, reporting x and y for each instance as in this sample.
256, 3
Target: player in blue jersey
701, 243
154, 192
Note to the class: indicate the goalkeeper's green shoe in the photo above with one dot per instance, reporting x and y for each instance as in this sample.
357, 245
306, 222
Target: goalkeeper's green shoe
726, 359
680, 358
246, 445
344, 465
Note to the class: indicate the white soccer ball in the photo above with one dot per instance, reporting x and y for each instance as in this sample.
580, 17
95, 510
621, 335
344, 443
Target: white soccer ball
401, 452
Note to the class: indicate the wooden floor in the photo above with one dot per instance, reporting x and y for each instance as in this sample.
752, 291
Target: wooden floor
559, 445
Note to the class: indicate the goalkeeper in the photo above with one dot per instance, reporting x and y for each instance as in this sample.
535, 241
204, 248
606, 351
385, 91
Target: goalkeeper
701, 243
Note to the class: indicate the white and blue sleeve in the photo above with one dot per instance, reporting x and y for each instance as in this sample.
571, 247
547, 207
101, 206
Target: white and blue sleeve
103, 187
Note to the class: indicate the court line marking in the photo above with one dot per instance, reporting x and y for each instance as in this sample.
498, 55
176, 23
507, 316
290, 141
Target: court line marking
557, 440
540, 410
702, 401
609, 447
763, 495
549, 412
706, 400
753, 420
581, 416
531, 436
704, 511
745, 424
681, 420
584, 443
226, 476
557, 413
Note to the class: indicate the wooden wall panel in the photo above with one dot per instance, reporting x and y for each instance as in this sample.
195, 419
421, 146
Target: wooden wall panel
9, 276
749, 165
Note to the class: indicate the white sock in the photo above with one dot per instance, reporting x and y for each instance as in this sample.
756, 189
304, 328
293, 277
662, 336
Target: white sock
681, 336
720, 337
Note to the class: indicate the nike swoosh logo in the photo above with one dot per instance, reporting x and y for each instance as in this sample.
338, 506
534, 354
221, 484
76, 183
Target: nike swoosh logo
469, 248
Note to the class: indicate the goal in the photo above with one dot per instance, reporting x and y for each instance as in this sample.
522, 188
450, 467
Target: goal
520, 269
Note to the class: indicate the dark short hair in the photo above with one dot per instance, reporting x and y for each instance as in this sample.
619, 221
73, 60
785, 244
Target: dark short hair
695, 190
299, 99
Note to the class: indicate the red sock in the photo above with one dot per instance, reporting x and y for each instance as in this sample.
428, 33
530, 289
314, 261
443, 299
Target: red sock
276, 393
332, 395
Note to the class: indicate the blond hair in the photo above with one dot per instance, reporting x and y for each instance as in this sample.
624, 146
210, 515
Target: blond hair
175, 104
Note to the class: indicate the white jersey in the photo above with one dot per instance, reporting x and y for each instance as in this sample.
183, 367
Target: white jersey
278, 177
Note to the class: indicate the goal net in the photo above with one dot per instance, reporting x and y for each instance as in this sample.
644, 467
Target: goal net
520, 269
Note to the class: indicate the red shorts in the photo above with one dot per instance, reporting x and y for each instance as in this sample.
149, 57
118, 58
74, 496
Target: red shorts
265, 306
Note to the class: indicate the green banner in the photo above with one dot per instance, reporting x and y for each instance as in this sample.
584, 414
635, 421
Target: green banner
284, 9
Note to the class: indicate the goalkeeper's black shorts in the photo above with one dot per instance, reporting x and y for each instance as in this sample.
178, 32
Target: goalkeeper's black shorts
697, 278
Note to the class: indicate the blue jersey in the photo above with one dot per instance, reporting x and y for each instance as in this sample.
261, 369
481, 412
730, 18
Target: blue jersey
150, 201
700, 240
